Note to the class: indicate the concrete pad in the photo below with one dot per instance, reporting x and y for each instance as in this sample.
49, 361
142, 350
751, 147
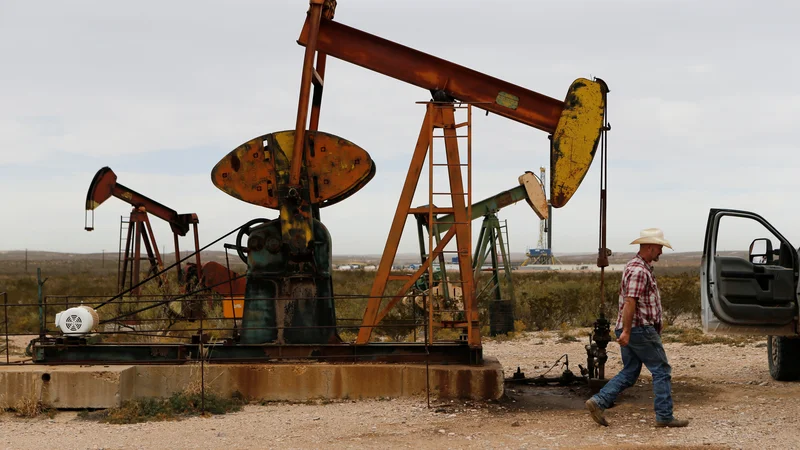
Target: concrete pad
66, 387
108, 386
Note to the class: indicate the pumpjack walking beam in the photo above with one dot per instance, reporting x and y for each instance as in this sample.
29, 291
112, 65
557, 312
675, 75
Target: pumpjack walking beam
104, 185
574, 124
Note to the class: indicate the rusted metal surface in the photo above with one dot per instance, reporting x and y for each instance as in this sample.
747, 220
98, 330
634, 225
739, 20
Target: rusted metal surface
574, 123
228, 284
63, 351
396, 231
432, 73
462, 210
401, 293
257, 171
313, 19
104, 185
439, 116
142, 234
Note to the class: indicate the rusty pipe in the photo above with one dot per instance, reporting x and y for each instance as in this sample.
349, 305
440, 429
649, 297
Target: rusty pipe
314, 15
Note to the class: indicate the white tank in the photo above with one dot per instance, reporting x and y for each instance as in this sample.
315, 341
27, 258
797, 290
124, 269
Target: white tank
76, 321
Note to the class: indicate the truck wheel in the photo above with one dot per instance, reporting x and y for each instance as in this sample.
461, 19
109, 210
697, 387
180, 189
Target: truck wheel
784, 358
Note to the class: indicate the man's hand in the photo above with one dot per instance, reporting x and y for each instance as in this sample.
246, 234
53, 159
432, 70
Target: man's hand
627, 319
624, 338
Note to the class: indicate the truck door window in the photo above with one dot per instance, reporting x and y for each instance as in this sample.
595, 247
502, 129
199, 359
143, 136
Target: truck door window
746, 238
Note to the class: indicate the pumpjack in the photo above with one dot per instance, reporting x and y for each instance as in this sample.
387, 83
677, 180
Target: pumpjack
489, 245
104, 185
289, 307
218, 278
300, 171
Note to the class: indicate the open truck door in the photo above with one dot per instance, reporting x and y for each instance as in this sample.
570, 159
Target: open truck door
749, 278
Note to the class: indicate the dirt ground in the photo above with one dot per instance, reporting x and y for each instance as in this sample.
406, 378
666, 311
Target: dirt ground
725, 391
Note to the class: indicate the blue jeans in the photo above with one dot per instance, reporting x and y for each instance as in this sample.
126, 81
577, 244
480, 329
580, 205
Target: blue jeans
645, 348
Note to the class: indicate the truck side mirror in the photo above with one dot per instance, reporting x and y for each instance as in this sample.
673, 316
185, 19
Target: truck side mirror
760, 251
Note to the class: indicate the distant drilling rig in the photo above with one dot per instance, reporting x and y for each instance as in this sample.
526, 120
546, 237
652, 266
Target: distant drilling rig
543, 253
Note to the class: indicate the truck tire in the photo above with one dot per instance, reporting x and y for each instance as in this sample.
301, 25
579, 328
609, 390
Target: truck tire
784, 357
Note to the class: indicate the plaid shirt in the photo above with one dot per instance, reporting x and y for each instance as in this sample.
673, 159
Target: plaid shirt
639, 282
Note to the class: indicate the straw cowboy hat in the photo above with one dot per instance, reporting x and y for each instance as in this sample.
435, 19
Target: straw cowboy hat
652, 236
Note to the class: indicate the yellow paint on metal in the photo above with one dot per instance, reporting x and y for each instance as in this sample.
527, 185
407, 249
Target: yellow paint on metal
334, 168
576, 137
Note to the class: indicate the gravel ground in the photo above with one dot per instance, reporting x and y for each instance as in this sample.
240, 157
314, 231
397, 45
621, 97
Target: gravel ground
726, 392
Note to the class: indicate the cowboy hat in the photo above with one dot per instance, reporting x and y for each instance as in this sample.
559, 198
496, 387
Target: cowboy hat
652, 236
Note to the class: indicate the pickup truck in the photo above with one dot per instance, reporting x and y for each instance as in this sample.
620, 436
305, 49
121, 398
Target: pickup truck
752, 291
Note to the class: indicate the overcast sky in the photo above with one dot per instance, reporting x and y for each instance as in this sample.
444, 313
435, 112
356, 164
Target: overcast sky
704, 108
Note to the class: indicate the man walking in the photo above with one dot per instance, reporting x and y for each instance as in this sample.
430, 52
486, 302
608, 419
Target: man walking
638, 333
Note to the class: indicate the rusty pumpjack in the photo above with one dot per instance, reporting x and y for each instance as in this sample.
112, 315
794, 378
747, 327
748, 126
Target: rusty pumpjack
140, 234
103, 186
289, 309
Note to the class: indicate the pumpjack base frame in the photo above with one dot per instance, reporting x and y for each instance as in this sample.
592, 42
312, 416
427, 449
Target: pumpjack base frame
69, 351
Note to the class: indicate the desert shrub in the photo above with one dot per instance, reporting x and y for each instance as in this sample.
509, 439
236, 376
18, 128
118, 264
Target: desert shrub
179, 405
546, 300
30, 407
695, 336
680, 295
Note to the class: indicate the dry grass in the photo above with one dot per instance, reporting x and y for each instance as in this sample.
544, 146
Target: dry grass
178, 406
695, 336
568, 334
31, 406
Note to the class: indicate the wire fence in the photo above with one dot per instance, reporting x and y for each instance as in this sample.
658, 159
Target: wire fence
180, 323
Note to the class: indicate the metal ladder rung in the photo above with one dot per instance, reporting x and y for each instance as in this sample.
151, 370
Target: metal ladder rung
435, 222
449, 165
435, 210
451, 137
399, 277
442, 126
